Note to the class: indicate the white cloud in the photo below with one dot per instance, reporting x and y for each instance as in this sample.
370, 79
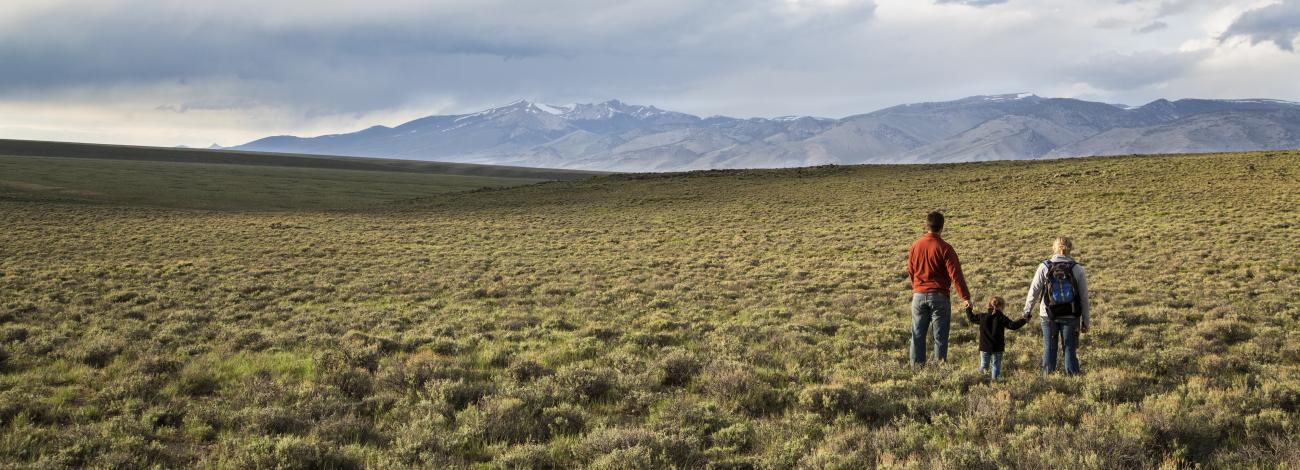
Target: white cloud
1116, 71
973, 3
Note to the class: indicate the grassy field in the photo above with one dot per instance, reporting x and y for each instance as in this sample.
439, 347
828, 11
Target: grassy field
222, 186
37, 148
717, 319
241, 181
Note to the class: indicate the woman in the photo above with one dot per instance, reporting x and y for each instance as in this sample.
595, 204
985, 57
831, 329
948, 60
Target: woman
1060, 290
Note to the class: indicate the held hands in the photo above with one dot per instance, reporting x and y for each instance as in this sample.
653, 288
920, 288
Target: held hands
965, 304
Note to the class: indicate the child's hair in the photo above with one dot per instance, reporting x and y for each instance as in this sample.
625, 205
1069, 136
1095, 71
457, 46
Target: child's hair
996, 303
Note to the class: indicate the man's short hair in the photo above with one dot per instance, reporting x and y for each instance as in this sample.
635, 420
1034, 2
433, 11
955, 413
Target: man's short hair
934, 221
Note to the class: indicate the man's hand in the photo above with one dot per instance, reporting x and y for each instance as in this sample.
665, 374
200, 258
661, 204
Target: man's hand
1083, 328
965, 304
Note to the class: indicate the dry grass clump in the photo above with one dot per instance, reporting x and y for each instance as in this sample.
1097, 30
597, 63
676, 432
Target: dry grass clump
746, 319
678, 368
638, 448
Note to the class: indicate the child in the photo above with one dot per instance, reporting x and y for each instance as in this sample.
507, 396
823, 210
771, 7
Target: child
992, 328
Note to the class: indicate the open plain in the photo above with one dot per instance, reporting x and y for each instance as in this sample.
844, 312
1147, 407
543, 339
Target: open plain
725, 319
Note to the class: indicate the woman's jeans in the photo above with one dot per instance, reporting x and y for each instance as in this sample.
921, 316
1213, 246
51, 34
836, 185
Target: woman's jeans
991, 359
1066, 333
926, 308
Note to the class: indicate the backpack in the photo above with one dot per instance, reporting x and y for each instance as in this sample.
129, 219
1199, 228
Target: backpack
1062, 297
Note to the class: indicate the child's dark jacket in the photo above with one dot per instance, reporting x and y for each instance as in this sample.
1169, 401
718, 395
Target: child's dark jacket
993, 325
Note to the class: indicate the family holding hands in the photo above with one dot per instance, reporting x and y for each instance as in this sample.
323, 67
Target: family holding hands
1059, 289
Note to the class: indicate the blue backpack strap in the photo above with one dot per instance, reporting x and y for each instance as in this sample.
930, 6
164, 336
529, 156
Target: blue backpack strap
1074, 284
1047, 283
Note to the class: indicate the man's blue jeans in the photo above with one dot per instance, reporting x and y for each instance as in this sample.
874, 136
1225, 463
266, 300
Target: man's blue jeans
991, 360
1066, 333
927, 308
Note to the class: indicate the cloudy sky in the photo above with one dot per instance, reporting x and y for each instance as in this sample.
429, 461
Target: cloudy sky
162, 72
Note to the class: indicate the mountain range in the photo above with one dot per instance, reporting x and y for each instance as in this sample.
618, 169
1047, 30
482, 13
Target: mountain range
615, 136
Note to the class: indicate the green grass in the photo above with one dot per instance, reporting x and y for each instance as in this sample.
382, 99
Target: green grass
37, 148
222, 186
730, 318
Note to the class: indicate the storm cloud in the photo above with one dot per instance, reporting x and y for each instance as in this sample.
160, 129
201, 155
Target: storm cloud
1278, 23
373, 59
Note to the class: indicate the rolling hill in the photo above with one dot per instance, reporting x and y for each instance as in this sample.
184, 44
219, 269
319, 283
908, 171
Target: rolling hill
223, 179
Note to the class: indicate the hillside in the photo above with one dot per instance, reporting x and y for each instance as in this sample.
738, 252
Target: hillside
1211, 132
207, 179
617, 136
36, 148
740, 319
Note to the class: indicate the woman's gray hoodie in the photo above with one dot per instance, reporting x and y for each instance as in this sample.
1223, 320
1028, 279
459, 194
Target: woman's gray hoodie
1039, 281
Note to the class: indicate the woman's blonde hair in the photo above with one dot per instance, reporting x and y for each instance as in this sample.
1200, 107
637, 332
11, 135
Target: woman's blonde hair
996, 304
1063, 246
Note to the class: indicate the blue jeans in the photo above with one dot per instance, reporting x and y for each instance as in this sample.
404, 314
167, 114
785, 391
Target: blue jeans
1065, 332
993, 359
926, 308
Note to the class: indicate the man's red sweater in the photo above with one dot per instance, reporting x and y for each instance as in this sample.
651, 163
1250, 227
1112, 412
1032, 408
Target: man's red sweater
933, 267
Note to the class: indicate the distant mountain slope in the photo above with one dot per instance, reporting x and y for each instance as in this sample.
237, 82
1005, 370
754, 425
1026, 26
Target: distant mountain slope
1219, 131
616, 136
1000, 138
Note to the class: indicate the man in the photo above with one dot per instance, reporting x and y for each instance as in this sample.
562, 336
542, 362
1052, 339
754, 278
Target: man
1060, 289
933, 267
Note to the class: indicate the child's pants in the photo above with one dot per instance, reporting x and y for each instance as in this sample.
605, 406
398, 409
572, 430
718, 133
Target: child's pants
988, 359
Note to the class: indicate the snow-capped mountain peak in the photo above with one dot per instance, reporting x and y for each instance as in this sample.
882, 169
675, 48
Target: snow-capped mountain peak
610, 109
553, 109
589, 111
1008, 97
